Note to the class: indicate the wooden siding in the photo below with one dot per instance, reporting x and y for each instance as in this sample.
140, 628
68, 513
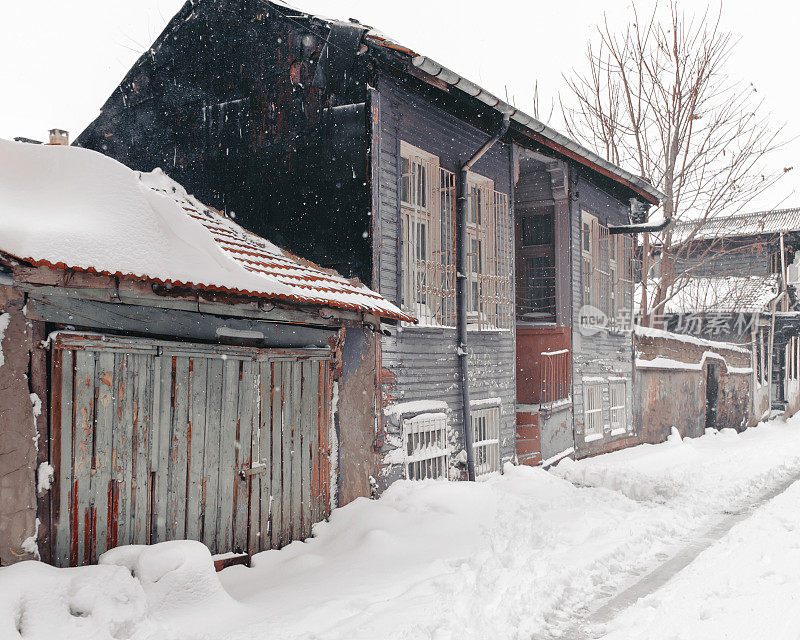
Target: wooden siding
603, 354
422, 363
157, 441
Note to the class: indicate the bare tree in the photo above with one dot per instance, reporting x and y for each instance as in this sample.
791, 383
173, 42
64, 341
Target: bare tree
657, 99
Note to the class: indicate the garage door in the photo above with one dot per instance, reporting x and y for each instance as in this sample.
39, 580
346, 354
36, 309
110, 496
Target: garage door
154, 440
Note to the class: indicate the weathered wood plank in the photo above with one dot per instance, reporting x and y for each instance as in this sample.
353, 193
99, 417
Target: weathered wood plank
316, 412
245, 454
142, 406
123, 447
63, 458
178, 452
287, 371
81, 543
275, 501
227, 455
161, 458
211, 452
104, 432
262, 489
198, 379
307, 402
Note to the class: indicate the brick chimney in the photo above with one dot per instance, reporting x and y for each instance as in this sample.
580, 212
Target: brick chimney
59, 136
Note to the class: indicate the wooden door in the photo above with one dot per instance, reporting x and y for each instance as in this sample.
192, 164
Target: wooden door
155, 441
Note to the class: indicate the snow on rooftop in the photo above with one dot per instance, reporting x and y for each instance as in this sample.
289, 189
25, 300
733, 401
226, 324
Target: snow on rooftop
71, 207
739, 225
720, 294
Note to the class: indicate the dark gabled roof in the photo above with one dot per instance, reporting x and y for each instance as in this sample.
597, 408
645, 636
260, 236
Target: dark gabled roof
758, 223
421, 65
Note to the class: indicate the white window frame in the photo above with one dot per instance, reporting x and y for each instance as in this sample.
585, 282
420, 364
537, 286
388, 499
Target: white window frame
427, 230
593, 424
607, 271
490, 294
618, 406
486, 439
426, 443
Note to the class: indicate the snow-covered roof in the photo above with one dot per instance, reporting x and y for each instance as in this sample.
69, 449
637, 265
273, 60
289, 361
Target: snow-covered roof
74, 208
729, 294
745, 224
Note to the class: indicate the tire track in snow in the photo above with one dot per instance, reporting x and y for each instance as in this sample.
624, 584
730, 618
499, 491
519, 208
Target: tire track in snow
663, 573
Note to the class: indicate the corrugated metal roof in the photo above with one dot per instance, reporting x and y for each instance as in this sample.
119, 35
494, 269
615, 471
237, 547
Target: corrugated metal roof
745, 224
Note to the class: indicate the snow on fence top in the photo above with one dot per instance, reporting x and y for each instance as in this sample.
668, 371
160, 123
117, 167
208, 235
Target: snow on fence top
74, 208
650, 332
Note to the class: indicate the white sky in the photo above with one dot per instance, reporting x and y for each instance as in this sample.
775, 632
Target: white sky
59, 60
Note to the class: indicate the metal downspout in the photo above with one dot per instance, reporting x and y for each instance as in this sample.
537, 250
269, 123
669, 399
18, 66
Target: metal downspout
461, 292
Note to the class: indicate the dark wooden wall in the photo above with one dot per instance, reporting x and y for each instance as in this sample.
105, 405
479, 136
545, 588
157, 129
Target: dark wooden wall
225, 103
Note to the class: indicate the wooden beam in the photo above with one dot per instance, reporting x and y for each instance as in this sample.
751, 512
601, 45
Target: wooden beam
184, 325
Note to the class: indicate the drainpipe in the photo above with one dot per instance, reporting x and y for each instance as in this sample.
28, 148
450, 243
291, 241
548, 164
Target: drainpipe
461, 291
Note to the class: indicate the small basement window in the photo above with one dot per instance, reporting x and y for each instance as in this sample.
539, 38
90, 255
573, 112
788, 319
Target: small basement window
426, 446
593, 411
486, 444
618, 408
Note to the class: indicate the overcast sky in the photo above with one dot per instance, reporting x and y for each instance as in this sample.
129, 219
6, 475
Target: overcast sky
59, 60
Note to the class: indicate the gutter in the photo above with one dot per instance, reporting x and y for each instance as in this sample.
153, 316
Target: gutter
461, 292
562, 143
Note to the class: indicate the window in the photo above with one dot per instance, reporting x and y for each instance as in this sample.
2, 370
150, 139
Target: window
758, 351
486, 444
607, 271
427, 284
593, 411
536, 273
618, 408
488, 255
426, 446
427, 222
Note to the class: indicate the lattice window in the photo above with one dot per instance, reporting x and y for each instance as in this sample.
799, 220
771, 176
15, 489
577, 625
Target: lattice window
486, 434
489, 256
426, 446
593, 411
427, 197
618, 410
607, 271
621, 258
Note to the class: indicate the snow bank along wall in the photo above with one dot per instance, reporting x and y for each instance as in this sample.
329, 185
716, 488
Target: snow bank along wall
132, 413
690, 384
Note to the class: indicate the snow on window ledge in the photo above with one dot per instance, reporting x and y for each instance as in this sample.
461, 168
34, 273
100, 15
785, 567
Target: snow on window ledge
592, 437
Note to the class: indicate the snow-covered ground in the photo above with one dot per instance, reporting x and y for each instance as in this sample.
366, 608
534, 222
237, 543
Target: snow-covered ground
528, 554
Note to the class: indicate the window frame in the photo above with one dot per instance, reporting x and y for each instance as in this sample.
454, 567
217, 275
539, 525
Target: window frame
593, 419
421, 461
485, 422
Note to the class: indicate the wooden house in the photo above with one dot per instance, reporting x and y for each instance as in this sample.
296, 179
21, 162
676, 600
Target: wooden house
737, 279
165, 373
489, 227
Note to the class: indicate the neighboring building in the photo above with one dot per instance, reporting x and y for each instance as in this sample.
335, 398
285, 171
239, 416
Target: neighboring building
736, 280
166, 374
690, 384
348, 147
